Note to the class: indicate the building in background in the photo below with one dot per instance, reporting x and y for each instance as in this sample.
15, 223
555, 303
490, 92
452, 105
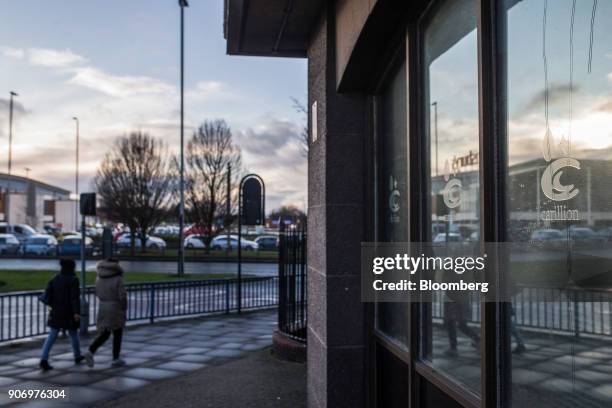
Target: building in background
27, 201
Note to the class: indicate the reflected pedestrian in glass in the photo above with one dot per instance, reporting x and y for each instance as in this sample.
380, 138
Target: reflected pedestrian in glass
62, 296
456, 312
520, 343
112, 310
515, 289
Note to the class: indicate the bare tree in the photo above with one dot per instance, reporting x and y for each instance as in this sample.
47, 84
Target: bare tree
209, 152
301, 108
134, 184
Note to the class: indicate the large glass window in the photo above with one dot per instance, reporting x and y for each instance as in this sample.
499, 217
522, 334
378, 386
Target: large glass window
452, 338
392, 318
559, 200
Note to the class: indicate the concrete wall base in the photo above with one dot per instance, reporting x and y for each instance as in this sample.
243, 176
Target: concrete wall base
288, 348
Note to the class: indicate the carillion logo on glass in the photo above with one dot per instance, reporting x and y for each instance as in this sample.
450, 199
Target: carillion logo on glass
551, 178
551, 183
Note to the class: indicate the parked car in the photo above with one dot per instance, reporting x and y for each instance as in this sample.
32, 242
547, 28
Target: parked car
52, 230
269, 242
9, 245
166, 231
40, 244
438, 227
20, 231
160, 230
605, 233
583, 234
220, 242
92, 232
196, 229
474, 236
71, 245
119, 232
546, 235
452, 237
156, 243
194, 242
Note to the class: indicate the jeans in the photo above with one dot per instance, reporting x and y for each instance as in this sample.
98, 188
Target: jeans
74, 341
455, 315
516, 333
102, 337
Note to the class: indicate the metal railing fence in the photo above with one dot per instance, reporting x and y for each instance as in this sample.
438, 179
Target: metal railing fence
574, 311
292, 307
22, 315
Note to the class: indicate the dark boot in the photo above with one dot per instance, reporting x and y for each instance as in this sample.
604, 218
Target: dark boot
79, 360
44, 365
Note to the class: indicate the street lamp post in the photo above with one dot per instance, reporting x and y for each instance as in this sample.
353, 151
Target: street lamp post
10, 152
181, 252
435, 106
7, 211
76, 176
228, 208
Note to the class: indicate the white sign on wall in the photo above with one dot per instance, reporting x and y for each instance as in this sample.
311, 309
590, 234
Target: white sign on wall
314, 124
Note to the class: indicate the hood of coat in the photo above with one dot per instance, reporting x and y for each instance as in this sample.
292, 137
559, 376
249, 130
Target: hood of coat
67, 267
108, 269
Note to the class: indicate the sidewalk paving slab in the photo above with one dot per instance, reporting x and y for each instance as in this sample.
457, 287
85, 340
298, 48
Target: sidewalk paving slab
257, 380
153, 353
551, 372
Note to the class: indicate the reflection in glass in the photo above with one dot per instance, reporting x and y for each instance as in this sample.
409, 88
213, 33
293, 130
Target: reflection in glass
560, 201
451, 339
392, 318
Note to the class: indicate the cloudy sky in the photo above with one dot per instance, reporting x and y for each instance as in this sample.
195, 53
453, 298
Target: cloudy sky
579, 113
114, 64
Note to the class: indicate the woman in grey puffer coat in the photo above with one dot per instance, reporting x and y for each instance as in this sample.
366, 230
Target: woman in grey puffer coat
112, 309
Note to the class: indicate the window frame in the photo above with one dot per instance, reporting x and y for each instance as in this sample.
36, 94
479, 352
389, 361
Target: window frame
395, 60
495, 390
392, 57
424, 369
